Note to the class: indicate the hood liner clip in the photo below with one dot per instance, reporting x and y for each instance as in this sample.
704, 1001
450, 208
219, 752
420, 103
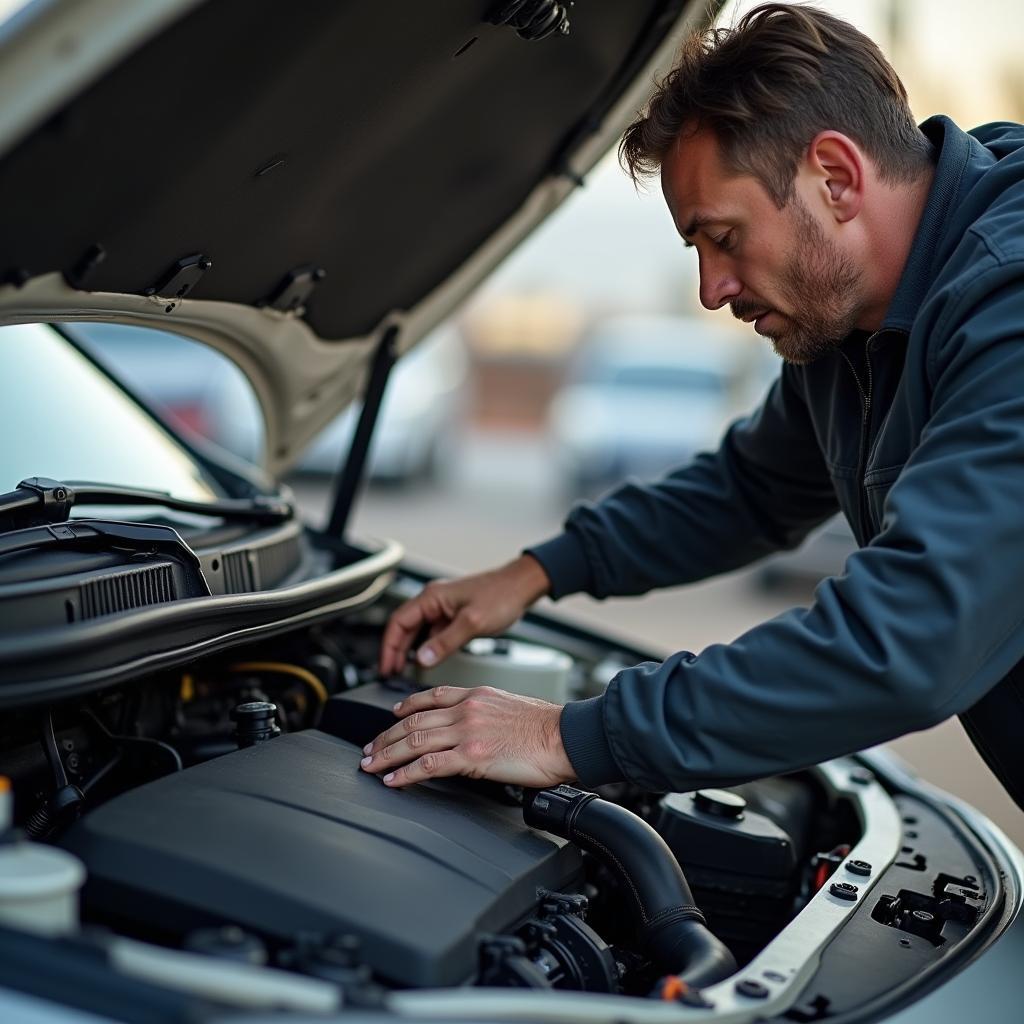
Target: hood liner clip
297, 285
182, 277
78, 275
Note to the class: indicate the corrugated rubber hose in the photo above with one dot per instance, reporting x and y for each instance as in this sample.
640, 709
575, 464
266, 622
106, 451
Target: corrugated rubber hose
669, 927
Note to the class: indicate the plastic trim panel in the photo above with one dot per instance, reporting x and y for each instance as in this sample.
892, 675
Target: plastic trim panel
93, 654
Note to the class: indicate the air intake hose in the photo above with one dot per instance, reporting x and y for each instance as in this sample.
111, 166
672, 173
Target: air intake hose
670, 929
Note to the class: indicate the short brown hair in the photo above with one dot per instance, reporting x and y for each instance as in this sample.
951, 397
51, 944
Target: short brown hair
768, 86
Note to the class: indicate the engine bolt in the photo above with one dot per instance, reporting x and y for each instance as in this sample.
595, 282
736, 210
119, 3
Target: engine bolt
844, 890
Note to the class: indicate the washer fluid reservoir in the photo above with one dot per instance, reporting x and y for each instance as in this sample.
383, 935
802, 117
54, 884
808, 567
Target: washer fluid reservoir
38, 884
530, 669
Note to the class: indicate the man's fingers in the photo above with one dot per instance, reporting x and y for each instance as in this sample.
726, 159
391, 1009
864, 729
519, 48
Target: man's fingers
401, 630
493, 735
435, 697
412, 723
394, 646
408, 748
435, 765
466, 625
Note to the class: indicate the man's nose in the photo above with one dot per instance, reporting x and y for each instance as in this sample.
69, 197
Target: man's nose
717, 285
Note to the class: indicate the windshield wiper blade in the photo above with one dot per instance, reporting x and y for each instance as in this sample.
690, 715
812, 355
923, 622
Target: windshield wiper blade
39, 500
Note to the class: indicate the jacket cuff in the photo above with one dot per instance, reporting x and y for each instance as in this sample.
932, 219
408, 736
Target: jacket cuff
565, 562
586, 744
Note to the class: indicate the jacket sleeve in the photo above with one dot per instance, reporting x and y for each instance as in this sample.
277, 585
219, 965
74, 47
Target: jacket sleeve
764, 489
922, 623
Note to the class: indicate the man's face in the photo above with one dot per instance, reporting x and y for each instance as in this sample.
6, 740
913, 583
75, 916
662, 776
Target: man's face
776, 268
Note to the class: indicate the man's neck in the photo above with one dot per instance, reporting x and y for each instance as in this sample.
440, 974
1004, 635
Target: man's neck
895, 223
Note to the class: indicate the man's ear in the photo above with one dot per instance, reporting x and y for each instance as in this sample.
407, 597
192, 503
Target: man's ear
836, 164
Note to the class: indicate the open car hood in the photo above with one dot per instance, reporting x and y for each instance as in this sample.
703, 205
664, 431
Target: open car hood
287, 182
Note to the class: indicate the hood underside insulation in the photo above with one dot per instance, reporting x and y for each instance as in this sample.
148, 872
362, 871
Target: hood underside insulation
347, 157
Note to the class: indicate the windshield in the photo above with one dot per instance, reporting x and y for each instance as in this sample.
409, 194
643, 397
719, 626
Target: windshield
63, 418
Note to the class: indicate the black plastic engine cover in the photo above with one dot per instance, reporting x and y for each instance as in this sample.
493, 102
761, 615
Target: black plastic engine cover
290, 836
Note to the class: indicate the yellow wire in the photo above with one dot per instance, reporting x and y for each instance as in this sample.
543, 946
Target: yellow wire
285, 669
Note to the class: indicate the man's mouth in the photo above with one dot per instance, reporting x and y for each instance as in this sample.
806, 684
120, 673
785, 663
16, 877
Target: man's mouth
756, 315
759, 320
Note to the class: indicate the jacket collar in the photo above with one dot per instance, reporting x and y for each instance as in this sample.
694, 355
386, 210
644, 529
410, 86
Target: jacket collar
953, 149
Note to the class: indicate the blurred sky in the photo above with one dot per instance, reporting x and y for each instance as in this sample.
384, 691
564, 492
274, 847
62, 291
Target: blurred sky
8, 7
955, 57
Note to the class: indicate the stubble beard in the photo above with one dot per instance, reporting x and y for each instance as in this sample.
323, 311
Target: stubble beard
821, 285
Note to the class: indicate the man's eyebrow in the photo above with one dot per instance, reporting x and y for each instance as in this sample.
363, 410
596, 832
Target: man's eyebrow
696, 223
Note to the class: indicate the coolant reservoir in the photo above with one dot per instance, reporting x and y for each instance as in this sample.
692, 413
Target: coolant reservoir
38, 884
529, 669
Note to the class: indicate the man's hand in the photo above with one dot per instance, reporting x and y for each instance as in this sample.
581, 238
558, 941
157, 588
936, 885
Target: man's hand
458, 610
481, 732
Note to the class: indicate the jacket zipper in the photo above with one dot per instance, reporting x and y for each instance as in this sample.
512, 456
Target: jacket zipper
865, 405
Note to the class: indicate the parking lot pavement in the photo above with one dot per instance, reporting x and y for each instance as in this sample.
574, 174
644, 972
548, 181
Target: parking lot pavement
500, 494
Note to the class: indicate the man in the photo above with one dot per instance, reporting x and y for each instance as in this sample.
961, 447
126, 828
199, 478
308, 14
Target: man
886, 264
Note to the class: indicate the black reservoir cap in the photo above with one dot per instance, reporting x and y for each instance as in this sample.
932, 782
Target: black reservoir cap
255, 722
719, 802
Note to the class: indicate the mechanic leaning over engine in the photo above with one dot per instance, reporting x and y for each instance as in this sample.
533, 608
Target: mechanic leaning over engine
885, 261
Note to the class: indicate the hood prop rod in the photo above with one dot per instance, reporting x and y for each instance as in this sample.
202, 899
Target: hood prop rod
351, 475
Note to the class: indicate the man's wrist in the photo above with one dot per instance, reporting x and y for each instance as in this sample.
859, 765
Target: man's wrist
565, 563
586, 746
556, 749
530, 579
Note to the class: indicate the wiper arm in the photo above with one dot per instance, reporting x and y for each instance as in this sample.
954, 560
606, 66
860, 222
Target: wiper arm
40, 500
97, 535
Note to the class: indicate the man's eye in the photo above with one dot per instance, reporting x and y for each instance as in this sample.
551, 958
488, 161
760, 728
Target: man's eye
726, 241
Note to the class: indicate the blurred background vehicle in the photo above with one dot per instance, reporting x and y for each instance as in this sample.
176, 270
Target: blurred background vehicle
200, 391
643, 394
822, 554
194, 387
420, 417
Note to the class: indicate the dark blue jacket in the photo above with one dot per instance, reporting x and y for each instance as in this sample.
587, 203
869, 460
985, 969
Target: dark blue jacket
917, 434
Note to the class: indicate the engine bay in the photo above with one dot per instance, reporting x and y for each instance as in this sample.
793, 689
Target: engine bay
219, 812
